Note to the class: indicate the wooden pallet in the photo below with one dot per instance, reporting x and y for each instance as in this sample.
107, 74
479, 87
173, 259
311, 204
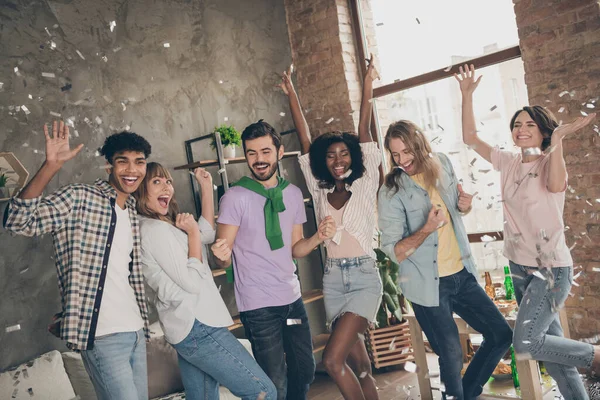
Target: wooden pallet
390, 345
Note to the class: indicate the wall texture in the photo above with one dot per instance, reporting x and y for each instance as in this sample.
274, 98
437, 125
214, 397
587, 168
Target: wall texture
221, 63
560, 42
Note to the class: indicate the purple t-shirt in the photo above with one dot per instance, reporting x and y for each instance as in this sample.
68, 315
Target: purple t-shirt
263, 277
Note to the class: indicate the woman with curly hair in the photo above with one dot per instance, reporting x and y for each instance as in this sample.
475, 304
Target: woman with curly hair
342, 175
533, 183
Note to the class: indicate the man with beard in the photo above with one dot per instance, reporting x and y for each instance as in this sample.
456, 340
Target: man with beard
97, 254
260, 222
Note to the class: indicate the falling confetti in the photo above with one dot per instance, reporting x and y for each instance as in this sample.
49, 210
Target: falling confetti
564, 92
52, 45
493, 108
330, 120
98, 120
13, 328
584, 113
526, 321
221, 171
561, 109
116, 49
589, 105
79, 54
379, 24
25, 110
48, 75
410, 367
220, 82
363, 374
226, 119
392, 345
484, 171
291, 321
418, 22
112, 25
487, 238
473, 161
282, 114
166, 44
539, 275
55, 114
16, 69
104, 58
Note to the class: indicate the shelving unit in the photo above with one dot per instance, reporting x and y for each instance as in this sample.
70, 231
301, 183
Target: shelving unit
309, 296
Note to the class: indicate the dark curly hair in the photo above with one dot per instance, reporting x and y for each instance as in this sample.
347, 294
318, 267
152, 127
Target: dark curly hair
318, 156
124, 141
544, 119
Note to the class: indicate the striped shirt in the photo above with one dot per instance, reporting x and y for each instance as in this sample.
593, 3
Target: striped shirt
82, 221
359, 218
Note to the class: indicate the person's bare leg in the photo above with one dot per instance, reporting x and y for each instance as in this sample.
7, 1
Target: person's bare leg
359, 361
342, 340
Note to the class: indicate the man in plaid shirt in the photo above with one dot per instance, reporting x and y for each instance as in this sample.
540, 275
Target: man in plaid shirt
97, 252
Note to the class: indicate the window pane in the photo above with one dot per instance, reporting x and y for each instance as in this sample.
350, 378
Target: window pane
436, 108
415, 37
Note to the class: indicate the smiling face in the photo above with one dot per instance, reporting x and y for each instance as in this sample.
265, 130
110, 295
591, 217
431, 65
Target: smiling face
402, 156
262, 157
159, 192
338, 160
525, 131
127, 171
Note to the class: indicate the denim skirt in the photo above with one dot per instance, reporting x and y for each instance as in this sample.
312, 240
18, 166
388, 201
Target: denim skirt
351, 285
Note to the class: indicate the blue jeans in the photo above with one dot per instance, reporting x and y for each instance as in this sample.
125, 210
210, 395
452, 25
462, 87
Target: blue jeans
282, 347
117, 366
460, 293
538, 331
211, 356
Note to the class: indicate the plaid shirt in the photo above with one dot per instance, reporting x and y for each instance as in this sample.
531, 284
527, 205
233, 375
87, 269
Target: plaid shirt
82, 221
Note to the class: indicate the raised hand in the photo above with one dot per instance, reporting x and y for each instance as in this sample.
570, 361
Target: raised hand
563, 130
466, 79
286, 82
435, 220
371, 70
221, 250
187, 223
464, 200
204, 178
57, 146
326, 229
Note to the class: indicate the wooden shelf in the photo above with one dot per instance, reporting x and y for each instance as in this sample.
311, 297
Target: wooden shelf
218, 272
319, 342
236, 160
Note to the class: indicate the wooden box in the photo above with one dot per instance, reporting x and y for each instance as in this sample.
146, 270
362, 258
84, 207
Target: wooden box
390, 345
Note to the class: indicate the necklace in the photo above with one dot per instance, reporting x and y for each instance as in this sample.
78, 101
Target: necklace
528, 174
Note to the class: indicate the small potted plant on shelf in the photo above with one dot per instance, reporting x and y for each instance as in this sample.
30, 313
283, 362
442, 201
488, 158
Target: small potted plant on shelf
230, 138
389, 342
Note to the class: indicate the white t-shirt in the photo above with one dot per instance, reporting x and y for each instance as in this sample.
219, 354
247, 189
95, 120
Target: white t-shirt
119, 311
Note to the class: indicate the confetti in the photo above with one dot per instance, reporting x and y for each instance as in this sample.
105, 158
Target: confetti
379, 24
539, 275
561, 109
79, 54
493, 108
526, 321
116, 49
221, 171
473, 161
104, 58
166, 44
282, 114
52, 45
112, 25
13, 328
418, 22
448, 68
220, 82
16, 69
25, 110
392, 345
363, 374
226, 119
48, 75
55, 114
564, 92
589, 105
330, 120
526, 342
291, 321
484, 171
410, 367
98, 120
487, 238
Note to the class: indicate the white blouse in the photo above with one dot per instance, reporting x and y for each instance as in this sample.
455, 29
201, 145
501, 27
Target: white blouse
360, 214
184, 286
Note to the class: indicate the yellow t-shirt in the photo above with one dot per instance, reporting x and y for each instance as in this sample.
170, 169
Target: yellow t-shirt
449, 258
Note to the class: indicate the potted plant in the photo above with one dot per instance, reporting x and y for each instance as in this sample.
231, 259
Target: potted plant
230, 138
3, 189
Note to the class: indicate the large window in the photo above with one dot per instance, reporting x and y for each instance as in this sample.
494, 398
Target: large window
417, 43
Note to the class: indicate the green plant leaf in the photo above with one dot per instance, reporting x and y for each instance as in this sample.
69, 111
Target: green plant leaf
229, 136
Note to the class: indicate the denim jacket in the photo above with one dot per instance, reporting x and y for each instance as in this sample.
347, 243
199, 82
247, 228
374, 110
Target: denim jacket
403, 213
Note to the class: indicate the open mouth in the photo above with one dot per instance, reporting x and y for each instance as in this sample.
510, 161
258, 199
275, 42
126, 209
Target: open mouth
164, 201
130, 180
339, 170
407, 166
261, 168
523, 137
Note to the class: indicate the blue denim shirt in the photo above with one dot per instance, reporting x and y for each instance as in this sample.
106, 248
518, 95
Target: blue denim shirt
403, 213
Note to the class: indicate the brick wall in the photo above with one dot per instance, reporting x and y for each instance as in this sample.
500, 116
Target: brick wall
560, 42
324, 54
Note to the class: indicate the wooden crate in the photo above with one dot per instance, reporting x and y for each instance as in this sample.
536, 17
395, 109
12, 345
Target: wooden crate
381, 350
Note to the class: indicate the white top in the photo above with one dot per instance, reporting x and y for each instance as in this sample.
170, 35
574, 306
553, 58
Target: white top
348, 246
360, 216
183, 286
119, 311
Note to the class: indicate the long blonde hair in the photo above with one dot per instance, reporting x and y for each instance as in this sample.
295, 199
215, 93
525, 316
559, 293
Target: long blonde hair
154, 170
418, 145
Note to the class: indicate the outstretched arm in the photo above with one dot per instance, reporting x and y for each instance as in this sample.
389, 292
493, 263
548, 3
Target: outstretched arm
297, 115
557, 175
366, 108
58, 152
468, 84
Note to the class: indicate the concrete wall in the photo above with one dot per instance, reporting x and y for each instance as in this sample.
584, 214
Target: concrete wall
221, 63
